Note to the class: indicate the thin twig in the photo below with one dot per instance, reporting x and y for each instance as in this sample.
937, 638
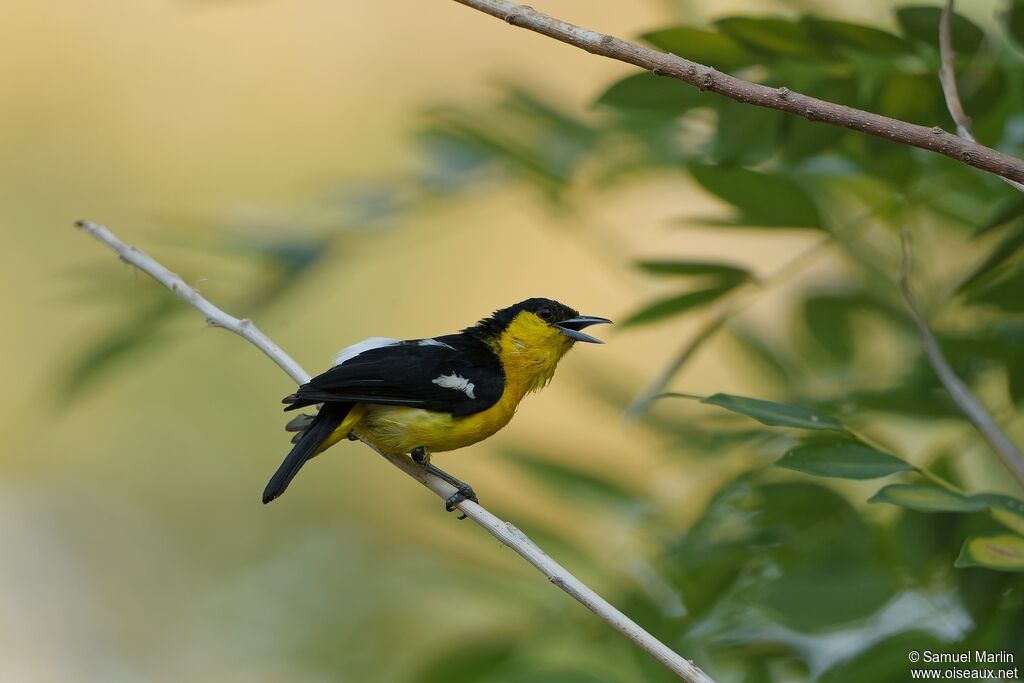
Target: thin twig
947, 78
782, 99
503, 531
968, 403
243, 327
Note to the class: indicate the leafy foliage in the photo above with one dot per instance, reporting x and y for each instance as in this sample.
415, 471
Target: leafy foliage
843, 458
926, 498
776, 562
767, 558
775, 414
680, 303
996, 551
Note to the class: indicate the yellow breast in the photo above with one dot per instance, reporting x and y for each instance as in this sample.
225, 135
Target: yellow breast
400, 429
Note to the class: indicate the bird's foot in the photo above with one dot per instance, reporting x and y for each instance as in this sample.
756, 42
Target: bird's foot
420, 456
462, 492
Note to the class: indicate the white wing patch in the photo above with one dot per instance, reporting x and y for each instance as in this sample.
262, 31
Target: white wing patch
351, 352
434, 342
457, 382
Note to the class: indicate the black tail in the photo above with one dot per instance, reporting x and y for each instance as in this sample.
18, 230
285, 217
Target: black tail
322, 426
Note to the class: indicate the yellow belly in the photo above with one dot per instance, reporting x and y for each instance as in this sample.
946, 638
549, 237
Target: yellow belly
400, 429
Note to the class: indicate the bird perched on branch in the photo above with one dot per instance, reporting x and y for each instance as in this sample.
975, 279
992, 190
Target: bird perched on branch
423, 396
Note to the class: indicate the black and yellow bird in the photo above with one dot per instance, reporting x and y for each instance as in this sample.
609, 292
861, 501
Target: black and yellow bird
423, 396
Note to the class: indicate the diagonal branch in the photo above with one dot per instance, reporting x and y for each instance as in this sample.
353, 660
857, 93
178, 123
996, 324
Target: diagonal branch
243, 327
947, 77
783, 99
505, 532
968, 403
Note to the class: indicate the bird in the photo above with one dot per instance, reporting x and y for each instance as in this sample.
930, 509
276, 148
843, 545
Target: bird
424, 396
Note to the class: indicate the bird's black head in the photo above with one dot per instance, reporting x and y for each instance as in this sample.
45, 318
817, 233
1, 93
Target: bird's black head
548, 310
557, 315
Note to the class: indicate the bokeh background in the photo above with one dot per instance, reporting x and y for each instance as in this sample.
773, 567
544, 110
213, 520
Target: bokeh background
319, 166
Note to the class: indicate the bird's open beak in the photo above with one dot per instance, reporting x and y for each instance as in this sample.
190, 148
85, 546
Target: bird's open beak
571, 328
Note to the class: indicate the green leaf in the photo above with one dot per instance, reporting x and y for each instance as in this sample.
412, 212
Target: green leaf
844, 34
775, 414
760, 199
674, 305
721, 271
1008, 518
452, 162
522, 154
844, 459
645, 92
907, 396
141, 333
744, 135
767, 358
925, 498
991, 94
774, 36
571, 481
828, 319
1015, 380
546, 113
1003, 214
287, 262
701, 46
1009, 245
552, 675
757, 670
1002, 288
1001, 551
475, 661
1006, 510
884, 661
826, 590
1013, 21
785, 525
922, 24
913, 98
801, 139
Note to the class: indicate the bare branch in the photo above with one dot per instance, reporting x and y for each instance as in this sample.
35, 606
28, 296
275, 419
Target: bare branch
214, 316
782, 99
947, 77
503, 531
968, 403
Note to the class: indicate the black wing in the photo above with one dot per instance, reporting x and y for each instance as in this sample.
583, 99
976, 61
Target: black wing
453, 374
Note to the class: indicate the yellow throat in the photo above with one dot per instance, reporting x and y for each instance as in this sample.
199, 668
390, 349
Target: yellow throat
529, 349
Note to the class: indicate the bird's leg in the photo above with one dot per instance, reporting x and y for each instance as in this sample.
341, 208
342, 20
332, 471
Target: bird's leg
420, 456
463, 491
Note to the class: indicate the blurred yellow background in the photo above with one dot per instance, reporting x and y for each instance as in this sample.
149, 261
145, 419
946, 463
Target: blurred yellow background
134, 543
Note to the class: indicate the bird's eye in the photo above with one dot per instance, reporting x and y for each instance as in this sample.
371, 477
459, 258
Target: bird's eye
544, 313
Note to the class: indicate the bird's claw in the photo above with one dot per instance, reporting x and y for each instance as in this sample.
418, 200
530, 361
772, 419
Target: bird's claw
463, 492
